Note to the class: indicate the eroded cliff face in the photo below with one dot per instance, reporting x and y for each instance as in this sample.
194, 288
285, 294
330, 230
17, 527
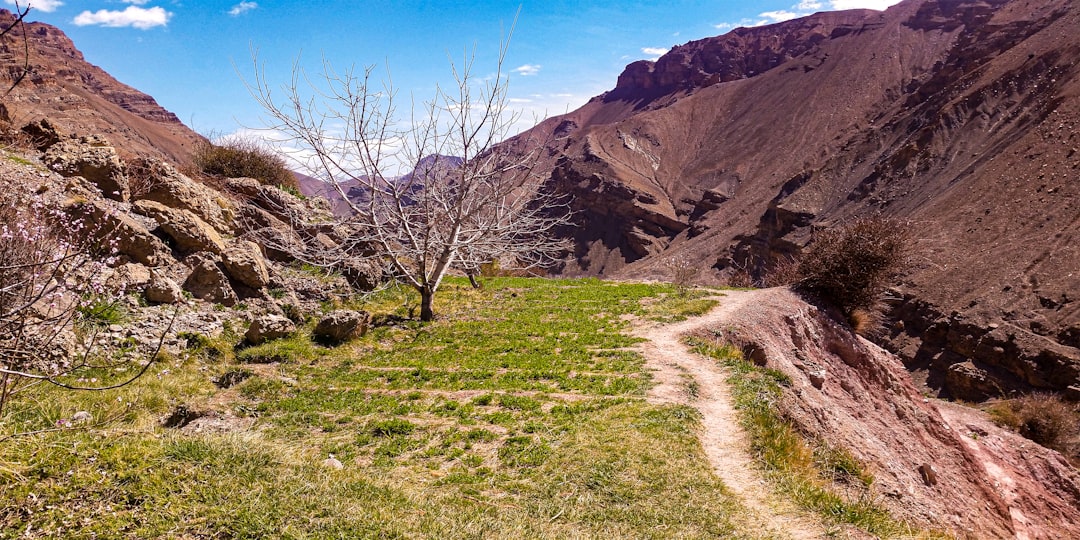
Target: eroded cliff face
79, 97
937, 464
961, 117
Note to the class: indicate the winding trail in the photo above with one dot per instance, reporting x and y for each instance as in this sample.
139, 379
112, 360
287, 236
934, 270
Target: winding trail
674, 367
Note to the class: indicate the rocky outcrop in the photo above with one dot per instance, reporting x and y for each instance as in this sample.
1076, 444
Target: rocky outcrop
93, 159
187, 230
132, 239
966, 358
174, 190
934, 463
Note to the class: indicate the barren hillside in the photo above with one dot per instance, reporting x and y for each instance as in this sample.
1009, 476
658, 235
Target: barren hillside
959, 116
79, 97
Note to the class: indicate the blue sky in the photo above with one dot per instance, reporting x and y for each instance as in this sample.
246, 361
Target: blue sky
190, 54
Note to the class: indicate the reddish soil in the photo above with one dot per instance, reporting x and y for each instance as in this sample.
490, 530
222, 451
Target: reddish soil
81, 98
962, 117
986, 482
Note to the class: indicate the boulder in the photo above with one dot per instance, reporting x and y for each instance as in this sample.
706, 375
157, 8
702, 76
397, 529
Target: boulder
282, 205
968, 382
342, 325
208, 282
165, 185
163, 290
268, 327
244, 263
129, 277
188, 230
92, 159
128, 236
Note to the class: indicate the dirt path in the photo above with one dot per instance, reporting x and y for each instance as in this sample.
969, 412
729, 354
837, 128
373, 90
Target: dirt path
686, 378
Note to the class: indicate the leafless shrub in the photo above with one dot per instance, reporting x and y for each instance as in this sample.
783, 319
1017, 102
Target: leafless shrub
781, 272
243, 158
849, 266
52, 292
142, 175
682, 272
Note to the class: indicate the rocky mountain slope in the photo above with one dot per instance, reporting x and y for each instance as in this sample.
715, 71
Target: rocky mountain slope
960, 116
964, 474
79, 97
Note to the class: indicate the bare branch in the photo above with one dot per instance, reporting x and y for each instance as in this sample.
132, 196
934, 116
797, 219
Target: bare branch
463, 199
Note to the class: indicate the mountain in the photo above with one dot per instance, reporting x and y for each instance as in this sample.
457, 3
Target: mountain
314, 187
79, 97
960, 116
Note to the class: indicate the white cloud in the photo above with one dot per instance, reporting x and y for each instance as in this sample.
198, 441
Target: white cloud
137, 17
654, 52
782, 15
48, 6
879, 5
136, 2
242, 7
804, 8
527, 69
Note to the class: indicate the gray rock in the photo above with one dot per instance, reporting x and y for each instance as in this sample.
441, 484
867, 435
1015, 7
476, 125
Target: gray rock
268, 327
208, 282
163, 290
244, 262
174, 190
130, 237
92, 160
188, 230
342, 325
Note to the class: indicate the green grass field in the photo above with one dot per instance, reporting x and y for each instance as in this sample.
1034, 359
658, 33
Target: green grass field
518, 414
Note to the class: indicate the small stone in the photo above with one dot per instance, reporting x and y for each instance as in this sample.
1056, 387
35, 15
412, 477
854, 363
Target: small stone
81, 416
929, 474
817, 378
333, 463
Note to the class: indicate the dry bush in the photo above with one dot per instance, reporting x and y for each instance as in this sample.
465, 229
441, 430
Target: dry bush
240, 158
849, 266
142, 176
1043, 418
682, 271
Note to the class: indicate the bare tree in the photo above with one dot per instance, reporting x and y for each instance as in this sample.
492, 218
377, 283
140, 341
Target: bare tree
436, 189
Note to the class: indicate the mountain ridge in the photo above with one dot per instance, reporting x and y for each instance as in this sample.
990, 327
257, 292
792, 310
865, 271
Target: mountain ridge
957, 116
79, 97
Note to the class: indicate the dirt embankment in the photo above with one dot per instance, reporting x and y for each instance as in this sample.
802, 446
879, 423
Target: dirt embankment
935, 464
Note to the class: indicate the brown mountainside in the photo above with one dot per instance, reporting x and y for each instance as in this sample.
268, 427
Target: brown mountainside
79, 97
959, 115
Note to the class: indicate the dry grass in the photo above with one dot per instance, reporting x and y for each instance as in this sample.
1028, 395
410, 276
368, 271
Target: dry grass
239, 158
1044, 418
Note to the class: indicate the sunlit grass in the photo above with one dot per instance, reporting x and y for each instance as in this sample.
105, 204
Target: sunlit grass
798, 469
519, 413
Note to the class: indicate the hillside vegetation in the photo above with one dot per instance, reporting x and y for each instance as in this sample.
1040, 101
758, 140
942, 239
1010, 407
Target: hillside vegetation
519, 415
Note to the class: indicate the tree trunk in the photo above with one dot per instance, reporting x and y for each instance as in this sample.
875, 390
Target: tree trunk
472, 281
426, 313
